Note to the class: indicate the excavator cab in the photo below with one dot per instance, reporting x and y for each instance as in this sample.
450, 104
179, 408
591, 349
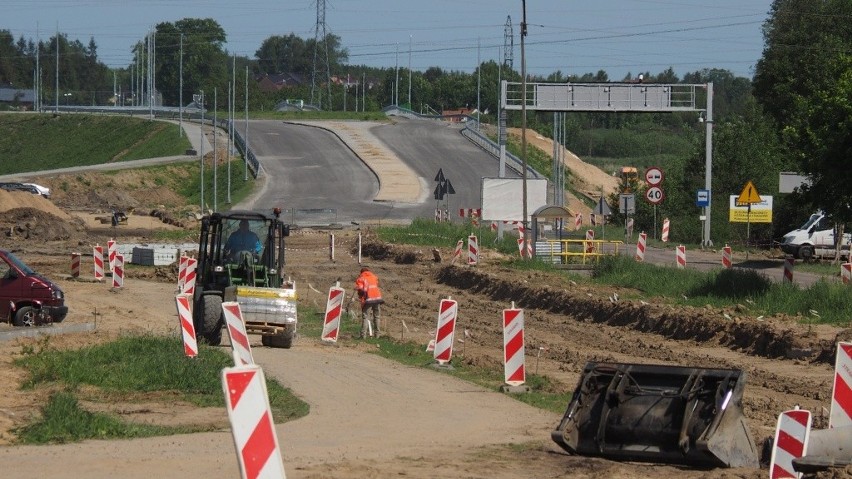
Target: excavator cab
663, 414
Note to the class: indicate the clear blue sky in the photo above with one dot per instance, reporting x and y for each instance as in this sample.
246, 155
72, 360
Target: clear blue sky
573, 36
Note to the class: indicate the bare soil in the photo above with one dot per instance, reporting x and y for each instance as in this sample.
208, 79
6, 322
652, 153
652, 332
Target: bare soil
372, 418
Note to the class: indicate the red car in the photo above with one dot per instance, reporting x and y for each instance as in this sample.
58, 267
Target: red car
27, 298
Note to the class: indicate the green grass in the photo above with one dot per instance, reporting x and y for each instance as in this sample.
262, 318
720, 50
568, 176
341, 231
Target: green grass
133, 366
34, 142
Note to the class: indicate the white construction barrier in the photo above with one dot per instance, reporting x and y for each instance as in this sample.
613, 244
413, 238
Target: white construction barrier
237, 332
790, 442
187, 327
841, 396
590, 236
98, 259
578, 221
665, 236
846, 273
446, 331
640, 246
514, 355
118, 271
252, 426
629, 227
333, 310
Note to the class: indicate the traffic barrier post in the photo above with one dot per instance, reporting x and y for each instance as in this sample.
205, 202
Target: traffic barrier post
237, 332
789, 263
445, 333
681, 256
457, 252
98, 259
514, 370
727, 257
790, 442
187, 327
189, 277
252, 426
640, 247
75, 265
665, 236
182, 262
578, 221
841, 394
118, 271
112, 249
333, 310
472, 250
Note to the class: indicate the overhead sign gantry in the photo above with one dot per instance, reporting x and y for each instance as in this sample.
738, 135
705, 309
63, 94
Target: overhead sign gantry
617, 97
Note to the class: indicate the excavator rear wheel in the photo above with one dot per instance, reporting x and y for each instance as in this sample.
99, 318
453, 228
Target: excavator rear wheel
213, 319
284, 340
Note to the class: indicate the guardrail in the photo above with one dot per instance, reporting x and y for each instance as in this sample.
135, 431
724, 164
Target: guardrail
568, 251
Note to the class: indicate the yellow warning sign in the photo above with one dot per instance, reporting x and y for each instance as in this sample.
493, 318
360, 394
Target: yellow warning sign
749, 195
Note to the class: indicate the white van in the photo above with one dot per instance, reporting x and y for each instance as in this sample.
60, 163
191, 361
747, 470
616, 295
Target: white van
815, 238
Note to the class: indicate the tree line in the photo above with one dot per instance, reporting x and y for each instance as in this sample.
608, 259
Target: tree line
794, 115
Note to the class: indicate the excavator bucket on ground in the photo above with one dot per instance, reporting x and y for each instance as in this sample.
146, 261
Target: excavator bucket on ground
654, 413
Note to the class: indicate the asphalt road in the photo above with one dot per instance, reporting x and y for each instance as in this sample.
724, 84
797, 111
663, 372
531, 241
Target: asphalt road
311, 170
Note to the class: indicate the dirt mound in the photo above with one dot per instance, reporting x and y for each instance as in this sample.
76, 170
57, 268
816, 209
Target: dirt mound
32, 224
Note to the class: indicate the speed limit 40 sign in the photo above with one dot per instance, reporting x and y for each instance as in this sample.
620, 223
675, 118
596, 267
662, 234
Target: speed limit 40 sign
654, 195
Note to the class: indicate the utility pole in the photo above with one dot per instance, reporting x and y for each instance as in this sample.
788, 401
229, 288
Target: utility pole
524, 113
215, 151
409, 73
57, 68
180, 93
201, 150
245, 178
396, 82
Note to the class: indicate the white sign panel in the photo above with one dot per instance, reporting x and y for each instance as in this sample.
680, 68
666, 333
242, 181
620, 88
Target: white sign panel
503, 198
760, 212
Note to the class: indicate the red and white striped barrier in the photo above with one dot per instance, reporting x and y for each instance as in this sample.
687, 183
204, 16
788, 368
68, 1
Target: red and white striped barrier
446, 331
493, 226
578, 221
187, 328
112, 250
237, 333
841, 395
445, 215
640, 246
630, 227
437, 215
457, 252
189, 277
333, 309
790, 442
521, 246
727, 257
118, 271
98, 259
681, 256
472, 250
431, 346
514, 371
593, 219
846, 273
75, 265
665, 236
590, 236
182, 262
529, 248
789, 263
252, 427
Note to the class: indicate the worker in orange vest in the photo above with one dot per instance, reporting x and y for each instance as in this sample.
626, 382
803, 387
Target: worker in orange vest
367, 287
